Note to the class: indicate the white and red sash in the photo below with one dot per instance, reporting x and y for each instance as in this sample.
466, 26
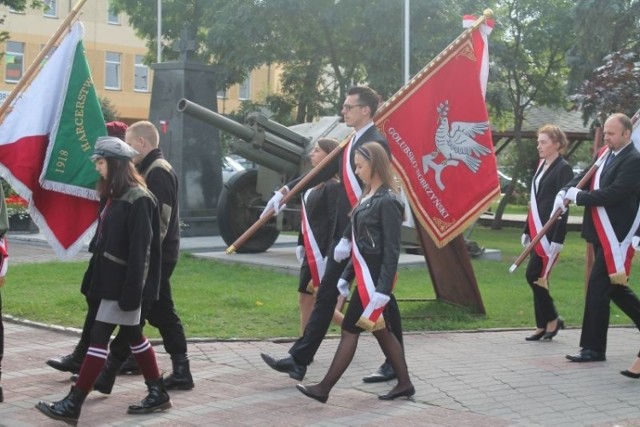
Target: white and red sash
543, 247
618, 255
315, 260
349, 180
370, 320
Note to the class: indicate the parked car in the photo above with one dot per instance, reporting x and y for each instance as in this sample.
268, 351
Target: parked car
230, 166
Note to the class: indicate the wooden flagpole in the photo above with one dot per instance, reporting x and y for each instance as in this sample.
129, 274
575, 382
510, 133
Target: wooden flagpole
585, 179
409, 85
35, 65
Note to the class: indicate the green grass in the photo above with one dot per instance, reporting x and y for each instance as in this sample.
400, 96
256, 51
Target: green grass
228, 301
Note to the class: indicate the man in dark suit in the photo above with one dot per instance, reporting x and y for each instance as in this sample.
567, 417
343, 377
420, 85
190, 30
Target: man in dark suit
359, 108
611, 218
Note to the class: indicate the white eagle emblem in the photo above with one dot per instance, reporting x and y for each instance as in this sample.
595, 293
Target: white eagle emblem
456, 143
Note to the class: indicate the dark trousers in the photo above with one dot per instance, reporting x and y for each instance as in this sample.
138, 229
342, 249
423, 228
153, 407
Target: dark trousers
305, 347
89, 319
595, 322
545, 310
162, 315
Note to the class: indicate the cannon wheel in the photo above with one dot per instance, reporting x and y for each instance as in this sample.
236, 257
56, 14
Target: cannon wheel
239, 206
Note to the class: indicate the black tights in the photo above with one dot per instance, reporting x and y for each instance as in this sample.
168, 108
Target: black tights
101, 333
344, 355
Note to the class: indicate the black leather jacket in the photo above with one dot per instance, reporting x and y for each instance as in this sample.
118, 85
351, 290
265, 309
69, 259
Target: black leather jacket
377, 222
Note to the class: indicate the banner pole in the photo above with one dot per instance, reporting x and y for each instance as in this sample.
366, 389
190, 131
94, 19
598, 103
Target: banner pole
35, 65
487, 14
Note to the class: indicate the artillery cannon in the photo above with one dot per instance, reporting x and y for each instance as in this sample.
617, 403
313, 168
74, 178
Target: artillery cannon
281, 154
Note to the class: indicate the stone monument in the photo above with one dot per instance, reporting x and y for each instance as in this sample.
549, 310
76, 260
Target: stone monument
190, 145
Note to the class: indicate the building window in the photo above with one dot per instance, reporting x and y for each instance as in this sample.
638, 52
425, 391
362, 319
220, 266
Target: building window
14, 60
141, 75
112, 71
222, 94
112, 17
245, 89
51, 8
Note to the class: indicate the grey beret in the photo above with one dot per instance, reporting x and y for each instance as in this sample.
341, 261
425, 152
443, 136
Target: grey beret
110, 146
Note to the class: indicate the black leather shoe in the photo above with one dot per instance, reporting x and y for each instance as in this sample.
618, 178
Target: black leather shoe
304, 390
69, 363
384, 373
394, 395
586, 355
286, 365
535, 337
630, 374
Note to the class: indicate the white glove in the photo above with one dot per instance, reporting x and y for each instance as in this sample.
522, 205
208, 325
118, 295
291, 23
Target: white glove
343, 287
555, 248
635, 242
300, 253
525, 239
274, 203
558, 203
342, 250
379, 300
572, 194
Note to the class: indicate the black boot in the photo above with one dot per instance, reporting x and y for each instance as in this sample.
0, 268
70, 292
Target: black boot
71, 362
157, 400
180, 378
130, 366
67, 409
106, 379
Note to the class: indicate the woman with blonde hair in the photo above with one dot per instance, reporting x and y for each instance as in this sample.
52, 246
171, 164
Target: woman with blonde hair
376, 222
552, 174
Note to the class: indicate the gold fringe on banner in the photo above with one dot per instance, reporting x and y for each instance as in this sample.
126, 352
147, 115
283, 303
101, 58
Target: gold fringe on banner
370, 326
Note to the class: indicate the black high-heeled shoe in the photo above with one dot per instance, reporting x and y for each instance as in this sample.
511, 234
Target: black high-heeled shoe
630, 374
535, 337
548, 336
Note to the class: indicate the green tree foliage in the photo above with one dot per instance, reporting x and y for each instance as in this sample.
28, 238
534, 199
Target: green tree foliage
529, 45
109, 111
325, 46
605, 59
601, 27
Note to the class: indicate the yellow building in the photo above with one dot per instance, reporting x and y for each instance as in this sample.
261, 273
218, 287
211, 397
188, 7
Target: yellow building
114, 54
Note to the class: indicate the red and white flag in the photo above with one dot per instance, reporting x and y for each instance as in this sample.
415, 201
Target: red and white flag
440, 139
25, 147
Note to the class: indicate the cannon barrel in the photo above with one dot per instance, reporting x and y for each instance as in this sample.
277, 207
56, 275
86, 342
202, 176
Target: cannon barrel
281, 152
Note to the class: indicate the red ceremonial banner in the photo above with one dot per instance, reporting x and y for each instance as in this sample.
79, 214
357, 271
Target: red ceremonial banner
440, 139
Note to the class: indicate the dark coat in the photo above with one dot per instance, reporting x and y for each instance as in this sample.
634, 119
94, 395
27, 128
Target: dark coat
321, 213
122, 267
619, 193
555, 177
335, 167
162, 181
377, 223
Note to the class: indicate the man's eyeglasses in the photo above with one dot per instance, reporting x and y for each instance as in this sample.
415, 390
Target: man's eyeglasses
348, 107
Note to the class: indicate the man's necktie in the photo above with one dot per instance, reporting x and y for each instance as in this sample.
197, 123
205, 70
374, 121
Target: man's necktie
609, 160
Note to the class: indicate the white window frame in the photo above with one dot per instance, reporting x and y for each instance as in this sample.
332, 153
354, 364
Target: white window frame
112, 18
140, 71
15, 53
222, 94
115, 66
51, 10
244, 89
